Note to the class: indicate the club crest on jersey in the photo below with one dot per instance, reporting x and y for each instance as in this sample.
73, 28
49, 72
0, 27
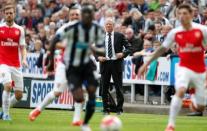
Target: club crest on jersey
180, 36
16, 32
197, 34
1, 31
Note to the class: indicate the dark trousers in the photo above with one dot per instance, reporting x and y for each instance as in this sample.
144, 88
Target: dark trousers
112, 69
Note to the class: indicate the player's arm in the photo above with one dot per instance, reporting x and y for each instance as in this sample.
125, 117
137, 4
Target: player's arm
56, 43
24, 55
23, 49
165, 46
204, 30
98, 48
50, 53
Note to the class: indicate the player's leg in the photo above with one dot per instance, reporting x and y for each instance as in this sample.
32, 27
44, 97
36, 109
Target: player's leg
77, 111
78, 96
16, 98
199, 98
55, 93
182, 81
77, 114
89, 75
175, 106
60, 84
5, 101
18, 85
5, 77
90, 106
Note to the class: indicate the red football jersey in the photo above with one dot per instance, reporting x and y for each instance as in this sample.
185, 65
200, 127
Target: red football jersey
11, 38
190, 46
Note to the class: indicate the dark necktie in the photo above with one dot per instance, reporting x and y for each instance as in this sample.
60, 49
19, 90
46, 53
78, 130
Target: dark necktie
109, 46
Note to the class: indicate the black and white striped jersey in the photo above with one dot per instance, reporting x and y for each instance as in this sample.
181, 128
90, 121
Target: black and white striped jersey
78, 40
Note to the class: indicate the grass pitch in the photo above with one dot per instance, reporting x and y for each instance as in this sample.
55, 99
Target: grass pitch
60, 120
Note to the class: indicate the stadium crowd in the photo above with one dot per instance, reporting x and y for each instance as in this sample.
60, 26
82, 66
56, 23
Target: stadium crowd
145, 23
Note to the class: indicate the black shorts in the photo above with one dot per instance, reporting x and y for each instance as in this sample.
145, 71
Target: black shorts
77, 76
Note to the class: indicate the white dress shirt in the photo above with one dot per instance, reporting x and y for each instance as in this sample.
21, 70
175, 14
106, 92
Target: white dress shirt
112, 44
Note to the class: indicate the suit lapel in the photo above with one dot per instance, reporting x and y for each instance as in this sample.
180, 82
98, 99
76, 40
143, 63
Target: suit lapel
115, 38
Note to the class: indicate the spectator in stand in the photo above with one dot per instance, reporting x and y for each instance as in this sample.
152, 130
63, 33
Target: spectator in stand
121, 6
61, 19
141, 5
54, 17
136, 43
165, 30
25, 19
164, 6
108, 13
38, 47
197, 16
172, 10
47, 8
54, 6
156, 45
65, 11
30, 43
151, 33
52, 30
158, 28
37, 18
46, 23
150, 20
159, 16
42, 36
175, 20
136, 20
147, 49
137, 58
1, 15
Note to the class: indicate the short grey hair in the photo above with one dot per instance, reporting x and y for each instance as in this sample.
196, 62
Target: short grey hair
109, 19
134, 10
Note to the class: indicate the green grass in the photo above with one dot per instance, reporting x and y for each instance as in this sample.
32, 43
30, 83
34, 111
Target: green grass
59, 120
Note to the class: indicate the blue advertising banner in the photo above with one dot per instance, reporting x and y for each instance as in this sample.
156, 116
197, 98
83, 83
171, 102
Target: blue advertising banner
40, 88
161, 75
32, 70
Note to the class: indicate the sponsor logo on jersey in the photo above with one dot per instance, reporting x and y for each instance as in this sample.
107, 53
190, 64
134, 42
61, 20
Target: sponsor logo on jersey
190, 48
197, 34
16, 32
8, 43
180, 36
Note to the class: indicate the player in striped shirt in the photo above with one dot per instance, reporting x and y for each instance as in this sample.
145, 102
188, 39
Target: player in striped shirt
60, 83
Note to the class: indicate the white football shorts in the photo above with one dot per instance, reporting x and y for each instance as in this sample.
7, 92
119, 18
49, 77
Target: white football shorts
60, 83
185, 77
9, 74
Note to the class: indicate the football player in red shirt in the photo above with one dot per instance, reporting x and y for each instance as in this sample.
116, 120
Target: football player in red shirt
12, 56
190, 39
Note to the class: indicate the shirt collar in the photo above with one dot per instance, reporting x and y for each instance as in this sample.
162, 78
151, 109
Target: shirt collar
10, 26
111, 33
